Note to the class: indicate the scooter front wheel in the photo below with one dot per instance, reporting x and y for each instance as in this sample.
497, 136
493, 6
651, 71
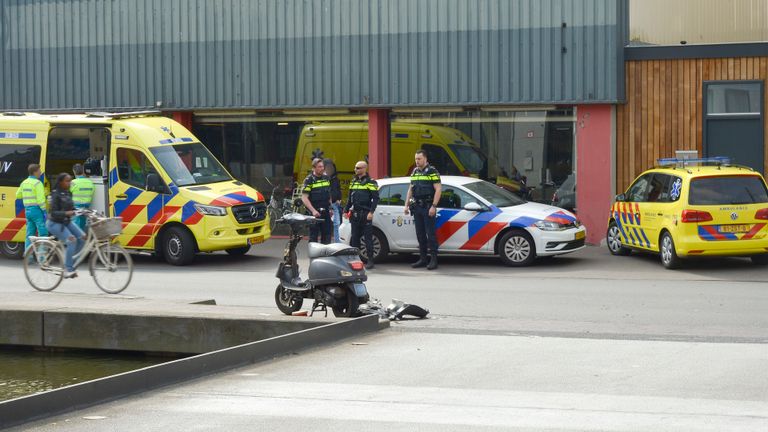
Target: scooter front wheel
288, 302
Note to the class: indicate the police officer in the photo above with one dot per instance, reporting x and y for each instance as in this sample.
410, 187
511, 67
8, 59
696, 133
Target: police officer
363, 199
316, 196
82, 193
32, 194
422, 199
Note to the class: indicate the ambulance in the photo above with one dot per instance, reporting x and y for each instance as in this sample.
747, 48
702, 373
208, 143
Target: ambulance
174, 197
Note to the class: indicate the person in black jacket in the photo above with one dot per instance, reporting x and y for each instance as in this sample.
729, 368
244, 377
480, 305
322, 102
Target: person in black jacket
316, 196
361, 205
330, 171
60, 224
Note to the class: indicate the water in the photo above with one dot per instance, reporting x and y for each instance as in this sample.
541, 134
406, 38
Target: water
24, 372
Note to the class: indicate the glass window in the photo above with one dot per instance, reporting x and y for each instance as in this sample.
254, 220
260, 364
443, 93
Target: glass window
727, 190
190, 164
659, 191
733, 98
393, 194
494, 194
474, 161
638, 192
455, 198
14, 160
133, 167
439, 158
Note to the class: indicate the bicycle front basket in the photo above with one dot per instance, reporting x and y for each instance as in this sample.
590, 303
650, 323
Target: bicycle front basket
107, 227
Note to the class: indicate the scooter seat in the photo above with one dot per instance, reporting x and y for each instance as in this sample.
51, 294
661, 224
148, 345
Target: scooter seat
319, 250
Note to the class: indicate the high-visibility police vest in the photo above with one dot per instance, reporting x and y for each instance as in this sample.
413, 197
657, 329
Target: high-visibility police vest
423, 182
32, 193
319, 190
363, 193
82, 191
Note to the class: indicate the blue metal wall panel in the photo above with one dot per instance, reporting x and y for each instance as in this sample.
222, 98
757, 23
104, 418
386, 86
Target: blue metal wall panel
88, 54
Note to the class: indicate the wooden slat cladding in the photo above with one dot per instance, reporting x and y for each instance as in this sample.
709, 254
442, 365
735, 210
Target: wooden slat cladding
664, 108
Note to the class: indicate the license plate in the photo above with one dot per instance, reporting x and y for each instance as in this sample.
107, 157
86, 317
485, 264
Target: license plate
255, 240
579, 235
734, 228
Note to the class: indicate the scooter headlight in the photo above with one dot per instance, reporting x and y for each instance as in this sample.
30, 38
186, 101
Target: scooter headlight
209, 210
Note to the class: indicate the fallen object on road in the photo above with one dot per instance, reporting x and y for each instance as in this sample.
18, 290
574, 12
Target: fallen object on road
395, 311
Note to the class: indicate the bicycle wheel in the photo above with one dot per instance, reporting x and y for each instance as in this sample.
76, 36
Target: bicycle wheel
273, 217
44, 265
111, 268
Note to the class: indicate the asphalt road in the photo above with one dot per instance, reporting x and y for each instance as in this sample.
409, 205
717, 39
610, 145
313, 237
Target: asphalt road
580, 342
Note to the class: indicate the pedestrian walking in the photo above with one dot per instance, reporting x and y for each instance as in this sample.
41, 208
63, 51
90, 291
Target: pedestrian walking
362, 202
82, 194
316, 196
331, 172
423, 196
32, 194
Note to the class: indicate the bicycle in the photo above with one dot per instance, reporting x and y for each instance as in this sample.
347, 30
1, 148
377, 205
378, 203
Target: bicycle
110, 265
277, 208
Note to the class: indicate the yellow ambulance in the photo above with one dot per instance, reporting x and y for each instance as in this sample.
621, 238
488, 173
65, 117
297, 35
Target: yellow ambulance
174, 197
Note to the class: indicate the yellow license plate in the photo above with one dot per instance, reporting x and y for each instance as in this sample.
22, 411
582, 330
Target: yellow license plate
734, 228
579, 235
255, 240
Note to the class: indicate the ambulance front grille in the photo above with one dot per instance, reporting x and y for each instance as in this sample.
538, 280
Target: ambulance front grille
250, 213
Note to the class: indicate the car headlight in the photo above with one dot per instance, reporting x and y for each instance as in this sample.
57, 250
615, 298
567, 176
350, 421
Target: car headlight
545, 225
210, 210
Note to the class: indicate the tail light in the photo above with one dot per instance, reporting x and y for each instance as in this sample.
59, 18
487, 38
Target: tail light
762, 214
356, 265
695, 216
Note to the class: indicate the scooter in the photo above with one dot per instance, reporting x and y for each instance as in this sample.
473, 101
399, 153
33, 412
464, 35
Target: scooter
336, 274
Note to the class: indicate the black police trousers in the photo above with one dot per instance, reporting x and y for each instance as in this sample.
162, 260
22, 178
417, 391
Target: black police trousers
362, 227
425, 229
322, 231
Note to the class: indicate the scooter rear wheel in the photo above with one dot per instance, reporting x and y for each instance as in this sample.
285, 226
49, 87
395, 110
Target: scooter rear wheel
287, 301
350, 308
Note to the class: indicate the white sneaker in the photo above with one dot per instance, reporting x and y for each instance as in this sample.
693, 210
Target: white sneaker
70, 275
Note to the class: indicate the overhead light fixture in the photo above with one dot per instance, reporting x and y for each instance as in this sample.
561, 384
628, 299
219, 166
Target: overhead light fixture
282, 123
318, 112
518, 108
406, 110
224, 113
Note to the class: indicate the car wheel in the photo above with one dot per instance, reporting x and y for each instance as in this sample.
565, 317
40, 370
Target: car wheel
760, 259
667, 252
380, 246
613, 239
12, 250
517, 249
178, 246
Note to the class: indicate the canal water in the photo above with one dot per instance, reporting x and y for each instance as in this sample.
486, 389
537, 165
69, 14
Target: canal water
24, 372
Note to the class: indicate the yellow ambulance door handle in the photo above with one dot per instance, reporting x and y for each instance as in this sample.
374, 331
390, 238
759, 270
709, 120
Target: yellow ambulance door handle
121, 196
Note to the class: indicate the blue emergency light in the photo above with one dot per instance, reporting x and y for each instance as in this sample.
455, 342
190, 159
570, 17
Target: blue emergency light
716, 160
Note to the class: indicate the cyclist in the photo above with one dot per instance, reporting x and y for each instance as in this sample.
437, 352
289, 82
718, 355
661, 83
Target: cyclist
60, 224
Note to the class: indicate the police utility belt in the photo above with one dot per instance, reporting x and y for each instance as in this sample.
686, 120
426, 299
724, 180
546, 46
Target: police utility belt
422, 202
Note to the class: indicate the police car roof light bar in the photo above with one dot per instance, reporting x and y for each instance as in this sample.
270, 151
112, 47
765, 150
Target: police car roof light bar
681, 163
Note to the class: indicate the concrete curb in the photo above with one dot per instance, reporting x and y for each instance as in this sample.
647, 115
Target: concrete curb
35, 407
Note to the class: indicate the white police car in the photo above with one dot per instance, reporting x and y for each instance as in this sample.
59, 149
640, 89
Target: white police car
475, 217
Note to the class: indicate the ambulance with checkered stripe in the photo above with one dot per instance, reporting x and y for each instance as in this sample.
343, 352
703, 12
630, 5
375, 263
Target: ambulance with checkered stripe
692, 207
174, 197
475, 217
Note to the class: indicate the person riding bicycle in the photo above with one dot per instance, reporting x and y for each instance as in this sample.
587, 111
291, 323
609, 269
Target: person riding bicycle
60, 225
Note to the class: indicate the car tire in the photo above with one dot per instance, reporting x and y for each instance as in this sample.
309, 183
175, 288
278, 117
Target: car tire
613, 241
667, 252
760, 260
12, 250
179, 246
241, 251
380, 246
517, 249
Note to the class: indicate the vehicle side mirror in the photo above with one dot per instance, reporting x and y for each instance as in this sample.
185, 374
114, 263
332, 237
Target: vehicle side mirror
155, 184
621, 197
474, 207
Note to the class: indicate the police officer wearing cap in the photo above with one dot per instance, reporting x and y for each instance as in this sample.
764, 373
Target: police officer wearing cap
316, 196
422, 199
363, 199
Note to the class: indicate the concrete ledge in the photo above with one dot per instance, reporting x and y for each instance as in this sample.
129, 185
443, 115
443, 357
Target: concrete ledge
21, 327
17, 411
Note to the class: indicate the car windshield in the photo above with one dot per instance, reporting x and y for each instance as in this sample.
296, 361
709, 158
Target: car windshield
494, 194
727, 190
473, 160
190, 164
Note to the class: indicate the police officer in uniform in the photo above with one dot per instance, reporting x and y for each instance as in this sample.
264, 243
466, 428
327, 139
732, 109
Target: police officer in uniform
363, 199
422, 199
82, 194
316, 196
32, 193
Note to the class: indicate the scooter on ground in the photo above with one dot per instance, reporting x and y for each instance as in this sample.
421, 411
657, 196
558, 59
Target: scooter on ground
336, 274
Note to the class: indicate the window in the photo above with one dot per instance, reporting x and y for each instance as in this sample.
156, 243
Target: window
727, 190
495, 195
190, 164
439, 158
733, 98
133, 167
393, 194
638, 192
454, 198
14, 160
659, 191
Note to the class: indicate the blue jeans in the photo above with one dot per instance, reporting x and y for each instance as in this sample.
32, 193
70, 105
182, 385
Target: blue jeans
35, 224
71, 236
336, 222
81, 221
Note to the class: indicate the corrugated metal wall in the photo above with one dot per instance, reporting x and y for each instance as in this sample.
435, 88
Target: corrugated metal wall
61, 54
